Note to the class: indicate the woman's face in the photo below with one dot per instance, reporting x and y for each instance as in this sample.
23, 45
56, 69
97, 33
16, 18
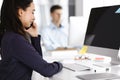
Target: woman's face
27, 16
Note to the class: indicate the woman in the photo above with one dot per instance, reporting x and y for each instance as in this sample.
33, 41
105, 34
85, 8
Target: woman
19, 56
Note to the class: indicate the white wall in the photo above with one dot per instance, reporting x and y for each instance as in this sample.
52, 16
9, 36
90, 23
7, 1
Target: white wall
79, 7
88, 4
84, 6
111, 2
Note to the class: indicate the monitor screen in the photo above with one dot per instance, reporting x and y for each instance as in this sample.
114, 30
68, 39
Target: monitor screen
103, 28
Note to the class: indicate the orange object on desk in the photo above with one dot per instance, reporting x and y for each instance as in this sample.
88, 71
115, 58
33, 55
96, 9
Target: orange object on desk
99, 58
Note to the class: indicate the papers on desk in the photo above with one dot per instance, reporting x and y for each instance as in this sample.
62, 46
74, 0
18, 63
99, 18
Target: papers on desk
96, 63
64, 54
99, 58
73, 53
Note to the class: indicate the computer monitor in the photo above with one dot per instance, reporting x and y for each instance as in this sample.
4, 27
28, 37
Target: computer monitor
103, 28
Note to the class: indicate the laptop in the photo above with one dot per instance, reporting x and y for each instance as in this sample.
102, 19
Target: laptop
99, 76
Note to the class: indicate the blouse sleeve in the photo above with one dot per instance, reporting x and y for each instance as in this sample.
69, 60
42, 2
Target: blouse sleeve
36, 43
24, 52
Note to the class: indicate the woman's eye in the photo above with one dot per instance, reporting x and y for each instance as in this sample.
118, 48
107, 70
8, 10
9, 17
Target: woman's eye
33, 12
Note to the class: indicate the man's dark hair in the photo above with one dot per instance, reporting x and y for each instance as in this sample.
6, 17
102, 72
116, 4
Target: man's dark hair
55, 7
9, 15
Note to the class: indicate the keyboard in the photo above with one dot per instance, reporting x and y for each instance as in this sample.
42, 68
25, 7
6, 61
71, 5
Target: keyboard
75, 67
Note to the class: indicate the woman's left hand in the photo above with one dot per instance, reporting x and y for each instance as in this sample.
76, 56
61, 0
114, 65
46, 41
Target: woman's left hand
33, 31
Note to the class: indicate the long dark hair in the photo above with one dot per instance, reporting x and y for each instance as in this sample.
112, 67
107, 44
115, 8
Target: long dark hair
9, 16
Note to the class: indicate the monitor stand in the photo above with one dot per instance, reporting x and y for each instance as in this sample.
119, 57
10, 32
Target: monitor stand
119, 53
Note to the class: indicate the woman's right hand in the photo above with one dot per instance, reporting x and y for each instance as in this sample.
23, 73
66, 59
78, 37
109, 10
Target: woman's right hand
33, 31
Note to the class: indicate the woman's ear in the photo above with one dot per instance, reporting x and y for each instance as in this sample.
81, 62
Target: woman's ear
20, 12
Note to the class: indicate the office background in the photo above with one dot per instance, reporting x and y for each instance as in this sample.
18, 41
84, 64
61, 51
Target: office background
81, 9
71, 8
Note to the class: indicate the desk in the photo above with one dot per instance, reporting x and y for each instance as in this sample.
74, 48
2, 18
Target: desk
70, 75
66, 74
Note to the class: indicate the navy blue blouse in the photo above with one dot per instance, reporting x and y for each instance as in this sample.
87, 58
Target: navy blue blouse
20, 58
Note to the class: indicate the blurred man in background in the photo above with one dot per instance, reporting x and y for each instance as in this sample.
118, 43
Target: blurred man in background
54, 36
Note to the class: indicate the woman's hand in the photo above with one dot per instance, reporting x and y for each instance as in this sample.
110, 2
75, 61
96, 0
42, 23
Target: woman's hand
33, 31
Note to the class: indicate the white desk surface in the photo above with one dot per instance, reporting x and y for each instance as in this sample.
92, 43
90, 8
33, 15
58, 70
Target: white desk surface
70, 75
66, 74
